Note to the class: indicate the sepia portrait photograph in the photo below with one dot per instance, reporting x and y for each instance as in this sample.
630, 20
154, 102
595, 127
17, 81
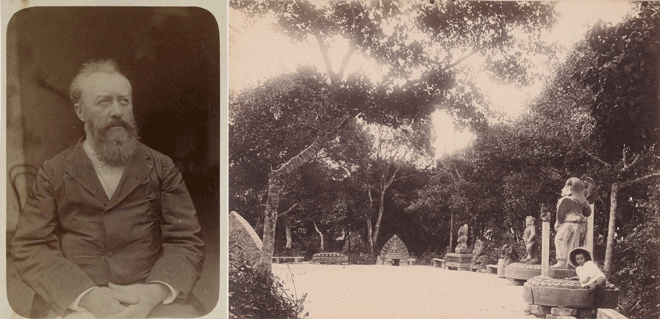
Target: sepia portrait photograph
443, 159
112, 119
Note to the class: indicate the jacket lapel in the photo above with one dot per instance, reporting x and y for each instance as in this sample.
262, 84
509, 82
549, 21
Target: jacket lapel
80, 168
134, 173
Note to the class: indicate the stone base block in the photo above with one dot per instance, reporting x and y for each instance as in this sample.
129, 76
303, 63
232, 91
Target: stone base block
609, 314
561, 273
492, 269
501, 266
538, 310
329, 258
458, 266
562, 311
559, 317
458, 261
546, 291
521, 271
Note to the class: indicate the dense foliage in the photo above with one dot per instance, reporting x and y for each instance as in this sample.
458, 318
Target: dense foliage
255, 294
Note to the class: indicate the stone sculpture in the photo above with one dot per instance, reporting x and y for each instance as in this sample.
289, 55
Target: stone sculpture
531, 242
243, 240
394, 251
460, 259
479, 260
505, 260
462, 247
545, 213
571, 224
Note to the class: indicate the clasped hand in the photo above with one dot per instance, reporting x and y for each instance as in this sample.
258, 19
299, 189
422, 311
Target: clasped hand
118, 301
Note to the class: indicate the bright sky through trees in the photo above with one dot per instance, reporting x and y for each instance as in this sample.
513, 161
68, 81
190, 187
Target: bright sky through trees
256, 52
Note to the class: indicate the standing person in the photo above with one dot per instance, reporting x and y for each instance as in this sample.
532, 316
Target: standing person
109, 228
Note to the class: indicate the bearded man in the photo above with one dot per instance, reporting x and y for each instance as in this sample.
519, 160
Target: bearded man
109, 228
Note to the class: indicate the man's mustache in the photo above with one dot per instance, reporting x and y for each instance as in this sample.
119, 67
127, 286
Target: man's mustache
120, 123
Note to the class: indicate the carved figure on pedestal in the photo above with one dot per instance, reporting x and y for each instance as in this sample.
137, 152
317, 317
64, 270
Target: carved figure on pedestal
506, 252
462, 248
571, 225
545, 213
531, 244
479, 261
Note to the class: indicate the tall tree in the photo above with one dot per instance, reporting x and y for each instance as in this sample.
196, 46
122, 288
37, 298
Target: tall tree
624, 76
419, 75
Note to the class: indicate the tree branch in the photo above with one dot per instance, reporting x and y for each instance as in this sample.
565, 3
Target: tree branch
345, 59
288, 210
594, 157
637, 180
326, 57
460, 60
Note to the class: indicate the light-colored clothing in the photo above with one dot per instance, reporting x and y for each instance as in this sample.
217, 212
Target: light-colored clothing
571, 225
589, 273
72, 237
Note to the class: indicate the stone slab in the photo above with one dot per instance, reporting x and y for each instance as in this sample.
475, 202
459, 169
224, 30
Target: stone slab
459, 258
243, 239
520, 271
492, 269
550, 316
562, 273
329, 258
563, 311
458, 261
458, 266
543, 290
609, 314
538, 310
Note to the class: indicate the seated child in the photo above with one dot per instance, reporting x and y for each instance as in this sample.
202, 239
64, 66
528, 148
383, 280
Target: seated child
588, 273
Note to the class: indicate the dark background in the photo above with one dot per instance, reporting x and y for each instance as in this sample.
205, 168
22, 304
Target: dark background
170, 55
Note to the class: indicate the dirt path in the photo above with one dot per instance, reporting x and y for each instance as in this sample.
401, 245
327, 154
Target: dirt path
358, 291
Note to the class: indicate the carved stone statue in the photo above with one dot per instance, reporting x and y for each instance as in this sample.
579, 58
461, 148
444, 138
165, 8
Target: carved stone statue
571, 225
480, 260
462, 248
506, 252
545, 213
531, 244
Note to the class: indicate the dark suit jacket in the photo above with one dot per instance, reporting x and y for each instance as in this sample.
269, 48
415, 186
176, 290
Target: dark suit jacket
72, 237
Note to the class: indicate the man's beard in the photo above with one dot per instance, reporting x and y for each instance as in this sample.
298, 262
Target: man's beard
114, 143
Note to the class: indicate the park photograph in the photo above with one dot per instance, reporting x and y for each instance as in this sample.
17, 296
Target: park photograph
443, 159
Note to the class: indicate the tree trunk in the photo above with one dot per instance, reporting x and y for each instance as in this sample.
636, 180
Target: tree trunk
379, 218
259, 227
275, 188
320, 234
287, 227
451, 232
369, 235
270, 220
611, 232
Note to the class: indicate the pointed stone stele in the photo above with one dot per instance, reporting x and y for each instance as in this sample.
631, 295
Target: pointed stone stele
394, 251
243, 239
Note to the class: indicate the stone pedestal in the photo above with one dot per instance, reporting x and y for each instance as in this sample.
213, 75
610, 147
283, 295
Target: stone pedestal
330, 258
520, 271
553, 292
501, 266
562, 273
458, 261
